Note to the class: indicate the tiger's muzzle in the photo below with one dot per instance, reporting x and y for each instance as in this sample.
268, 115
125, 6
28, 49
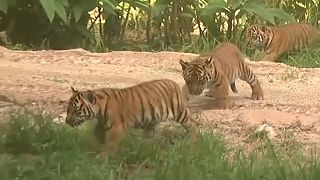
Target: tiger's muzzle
195, 90
73, 122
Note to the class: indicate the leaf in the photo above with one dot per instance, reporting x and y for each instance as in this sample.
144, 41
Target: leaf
214, 6
140, 4
217, 4
77, 12
60, 9
81, 7
49, 8
279, 13
158, 9
4, 5
188, 15
65, 3
110, 6
258, 9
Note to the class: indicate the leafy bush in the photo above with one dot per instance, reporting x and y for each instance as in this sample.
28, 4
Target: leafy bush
61, 24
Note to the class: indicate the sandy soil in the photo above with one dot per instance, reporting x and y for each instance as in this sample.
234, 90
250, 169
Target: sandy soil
292, 97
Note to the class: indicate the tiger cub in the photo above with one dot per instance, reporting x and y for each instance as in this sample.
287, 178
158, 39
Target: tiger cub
216, 71
141, 106
275, 41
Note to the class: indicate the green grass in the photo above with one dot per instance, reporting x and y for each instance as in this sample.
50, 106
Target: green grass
37, 148
307, 58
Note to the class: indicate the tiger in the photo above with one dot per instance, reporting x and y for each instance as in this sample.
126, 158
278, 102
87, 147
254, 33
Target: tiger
215, 71
141, 106
275, 41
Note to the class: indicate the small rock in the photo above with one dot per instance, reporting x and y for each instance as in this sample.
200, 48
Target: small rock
268, 129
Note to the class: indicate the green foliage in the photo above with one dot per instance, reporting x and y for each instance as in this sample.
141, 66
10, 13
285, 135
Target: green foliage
246, 8
307, 58
4, 6
55, 6
37, 148
171, 21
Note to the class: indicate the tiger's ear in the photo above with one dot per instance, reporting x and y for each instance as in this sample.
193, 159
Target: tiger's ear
73, 90
209, 62
184, 64
90, 96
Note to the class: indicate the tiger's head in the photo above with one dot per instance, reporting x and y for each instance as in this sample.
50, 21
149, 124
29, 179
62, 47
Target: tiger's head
82, 106
258, 36
197, 74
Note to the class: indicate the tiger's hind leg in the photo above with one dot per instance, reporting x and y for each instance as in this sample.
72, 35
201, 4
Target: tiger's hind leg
248, 76
257, 92
188, 124
148, 131
100, 131
113, 138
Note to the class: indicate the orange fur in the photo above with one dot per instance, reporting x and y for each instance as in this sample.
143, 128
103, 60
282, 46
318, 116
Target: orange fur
216, 71
141, 106
275, 41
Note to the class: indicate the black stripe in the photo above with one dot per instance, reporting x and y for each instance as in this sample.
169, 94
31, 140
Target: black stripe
183, 117
150, 107
215, 73
218, 81
243, 70
123, 119
178, 97
105, 92
164, 95
251, 78
105, 114
139, 100
99, 96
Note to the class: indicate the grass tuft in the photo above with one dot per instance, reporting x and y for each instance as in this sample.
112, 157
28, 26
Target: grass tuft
307, 58
37, 148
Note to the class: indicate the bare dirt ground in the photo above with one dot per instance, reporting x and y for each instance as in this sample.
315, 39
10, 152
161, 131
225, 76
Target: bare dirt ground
291, 104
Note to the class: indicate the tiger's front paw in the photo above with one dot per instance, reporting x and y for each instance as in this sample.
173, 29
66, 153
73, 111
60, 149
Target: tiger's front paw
257, 96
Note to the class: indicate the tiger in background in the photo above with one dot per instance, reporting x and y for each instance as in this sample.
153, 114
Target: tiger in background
275, 41
141, 106
216, 70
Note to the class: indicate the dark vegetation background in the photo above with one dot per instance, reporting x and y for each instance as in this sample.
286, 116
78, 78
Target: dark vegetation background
143, 25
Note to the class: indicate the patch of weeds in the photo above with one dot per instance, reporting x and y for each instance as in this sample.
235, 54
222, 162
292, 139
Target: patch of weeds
289, 142
20, 47
306, 58
37, 148
258, 135
203, 44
